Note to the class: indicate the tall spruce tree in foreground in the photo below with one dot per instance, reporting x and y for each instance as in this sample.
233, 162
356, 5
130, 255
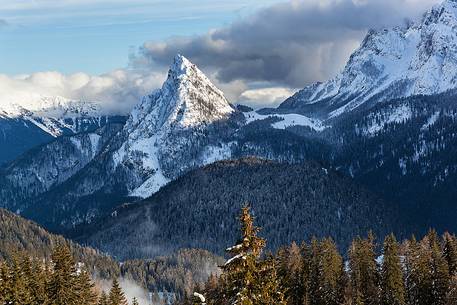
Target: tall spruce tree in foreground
392, 285
240, 270
245, 276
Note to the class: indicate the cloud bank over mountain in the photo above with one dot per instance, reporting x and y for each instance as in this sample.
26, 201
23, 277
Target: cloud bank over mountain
292, 43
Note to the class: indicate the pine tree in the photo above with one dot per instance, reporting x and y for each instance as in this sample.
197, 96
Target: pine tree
450, 253
306, 274
116, 296
314, 271
392, 284
330, 275
364, 272
37, 280
270, 290
19, 282
6, 292
439, 271
240, 272
427, 272
410, 252
62, 286
85, 288
290, 272
248, 280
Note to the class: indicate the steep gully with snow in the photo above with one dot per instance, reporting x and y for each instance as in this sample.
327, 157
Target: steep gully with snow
387, 120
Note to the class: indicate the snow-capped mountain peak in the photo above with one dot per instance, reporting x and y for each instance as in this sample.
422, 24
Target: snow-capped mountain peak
164, 129
187, 98
194, 98
181, 65
417, 58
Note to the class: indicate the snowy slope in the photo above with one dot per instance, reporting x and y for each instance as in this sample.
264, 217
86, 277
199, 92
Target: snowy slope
418, 58
50, 165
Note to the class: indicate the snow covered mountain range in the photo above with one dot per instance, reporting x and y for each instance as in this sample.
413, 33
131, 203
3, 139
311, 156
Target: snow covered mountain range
52, 114
389, 120
417, 58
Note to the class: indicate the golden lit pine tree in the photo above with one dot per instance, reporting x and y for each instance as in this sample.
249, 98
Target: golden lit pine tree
392, 283
116, 295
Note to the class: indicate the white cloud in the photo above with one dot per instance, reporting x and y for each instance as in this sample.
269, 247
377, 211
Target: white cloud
119, 90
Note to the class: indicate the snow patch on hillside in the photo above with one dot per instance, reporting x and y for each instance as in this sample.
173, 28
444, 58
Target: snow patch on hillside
287, 120
94, 140
212, 154
431, 120
150, 186
398, 115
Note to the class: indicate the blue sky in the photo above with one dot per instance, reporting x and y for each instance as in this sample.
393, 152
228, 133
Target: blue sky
96, 36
